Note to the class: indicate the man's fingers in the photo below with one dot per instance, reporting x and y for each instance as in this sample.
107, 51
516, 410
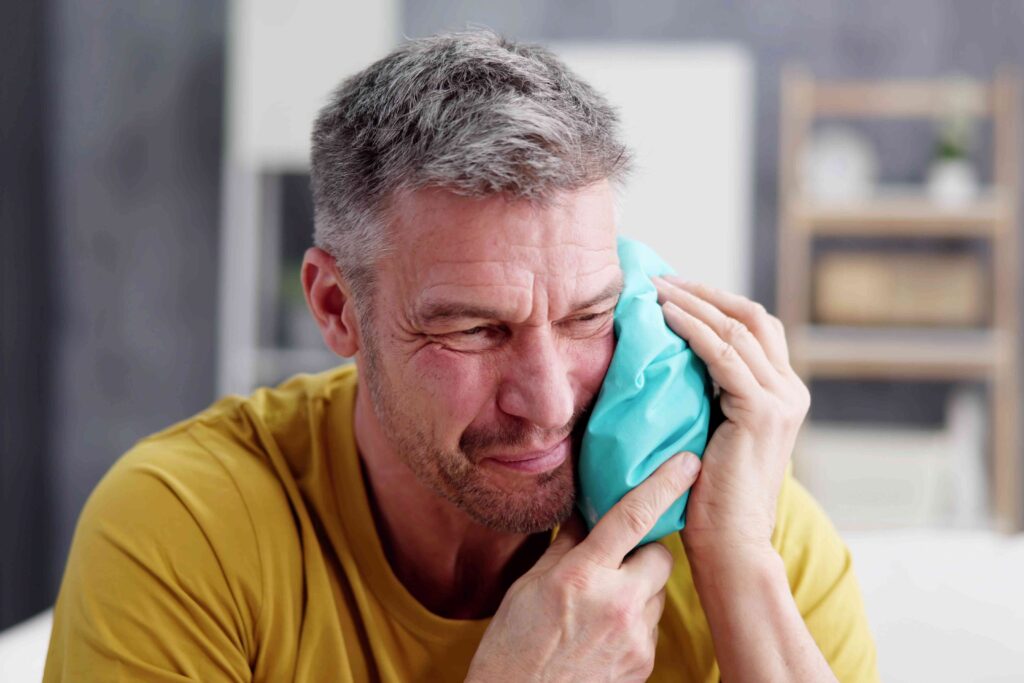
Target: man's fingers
729, 329
650, 566
654, 608
724, 363
570, 533
626, 524
764, 326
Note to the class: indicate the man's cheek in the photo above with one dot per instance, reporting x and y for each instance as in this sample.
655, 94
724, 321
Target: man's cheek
452, 381
593, 360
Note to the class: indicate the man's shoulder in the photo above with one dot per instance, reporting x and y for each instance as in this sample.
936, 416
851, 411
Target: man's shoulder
221, 470
229, 445
805, 537
206, 479
271, 406
226, 466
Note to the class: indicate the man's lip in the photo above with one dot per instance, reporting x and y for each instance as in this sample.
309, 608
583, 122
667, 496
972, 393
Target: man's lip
531, 455
535, 462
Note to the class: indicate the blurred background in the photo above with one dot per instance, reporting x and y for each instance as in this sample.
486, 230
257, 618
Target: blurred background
854, 166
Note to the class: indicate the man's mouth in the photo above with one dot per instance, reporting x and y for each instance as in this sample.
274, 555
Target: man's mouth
533, 462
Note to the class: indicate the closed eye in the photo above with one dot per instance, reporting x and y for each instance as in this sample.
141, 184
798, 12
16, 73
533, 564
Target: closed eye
591, 317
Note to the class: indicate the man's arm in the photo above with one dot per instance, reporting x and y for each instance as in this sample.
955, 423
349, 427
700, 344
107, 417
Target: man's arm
758, 631
824, 585
818, 578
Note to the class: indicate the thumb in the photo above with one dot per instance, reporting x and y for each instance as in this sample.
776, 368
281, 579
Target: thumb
570, 533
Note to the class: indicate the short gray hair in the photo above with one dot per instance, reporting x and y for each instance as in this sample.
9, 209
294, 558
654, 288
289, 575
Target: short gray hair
470, 112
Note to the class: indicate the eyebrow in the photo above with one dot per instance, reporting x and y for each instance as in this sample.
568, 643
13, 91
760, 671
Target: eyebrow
447, 311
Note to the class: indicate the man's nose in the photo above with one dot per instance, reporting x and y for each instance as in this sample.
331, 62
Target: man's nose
537, 385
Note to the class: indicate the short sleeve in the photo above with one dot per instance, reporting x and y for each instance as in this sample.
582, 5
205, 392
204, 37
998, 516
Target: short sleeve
821, 577
163, 581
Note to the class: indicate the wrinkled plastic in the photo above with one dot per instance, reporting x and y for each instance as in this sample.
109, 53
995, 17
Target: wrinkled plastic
655, 400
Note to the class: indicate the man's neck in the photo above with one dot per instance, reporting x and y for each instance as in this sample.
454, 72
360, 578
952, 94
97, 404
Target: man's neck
452, 565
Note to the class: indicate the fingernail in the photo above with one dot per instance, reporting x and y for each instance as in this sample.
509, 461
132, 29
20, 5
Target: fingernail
691, 464
669, 306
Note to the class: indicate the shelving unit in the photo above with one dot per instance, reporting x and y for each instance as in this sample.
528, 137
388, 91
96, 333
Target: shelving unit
990, 354
897, 213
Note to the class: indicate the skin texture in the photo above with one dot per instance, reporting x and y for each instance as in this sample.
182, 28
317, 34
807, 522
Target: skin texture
499, 341
487, 338
444, 394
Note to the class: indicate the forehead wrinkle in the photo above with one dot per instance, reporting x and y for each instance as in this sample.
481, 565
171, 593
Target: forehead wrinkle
447, 305
530, 281
568, 293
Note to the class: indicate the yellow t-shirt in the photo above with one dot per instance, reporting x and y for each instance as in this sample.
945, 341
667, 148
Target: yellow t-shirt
239, 545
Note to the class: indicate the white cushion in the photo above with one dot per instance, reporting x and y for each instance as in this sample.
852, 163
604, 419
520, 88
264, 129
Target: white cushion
23, 649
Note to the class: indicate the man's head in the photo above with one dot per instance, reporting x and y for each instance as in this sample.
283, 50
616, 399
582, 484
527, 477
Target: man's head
463, 193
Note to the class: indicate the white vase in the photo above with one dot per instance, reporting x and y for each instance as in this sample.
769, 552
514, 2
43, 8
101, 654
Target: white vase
952, 182
839, 165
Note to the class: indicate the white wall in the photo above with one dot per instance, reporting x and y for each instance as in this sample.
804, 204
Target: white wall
284, 58
687, 113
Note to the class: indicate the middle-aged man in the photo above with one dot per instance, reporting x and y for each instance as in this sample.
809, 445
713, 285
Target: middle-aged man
393, 520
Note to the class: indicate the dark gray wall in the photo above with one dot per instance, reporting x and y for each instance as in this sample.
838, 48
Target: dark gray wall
24, 505
136, 91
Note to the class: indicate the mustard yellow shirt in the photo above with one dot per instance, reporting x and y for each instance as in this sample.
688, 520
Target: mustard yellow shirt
239, 545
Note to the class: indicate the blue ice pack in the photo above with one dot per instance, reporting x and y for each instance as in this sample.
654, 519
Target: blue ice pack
655, 400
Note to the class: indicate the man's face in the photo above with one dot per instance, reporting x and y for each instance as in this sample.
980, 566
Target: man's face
485, 344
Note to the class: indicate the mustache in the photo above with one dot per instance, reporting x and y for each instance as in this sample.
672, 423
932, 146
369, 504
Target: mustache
523, 433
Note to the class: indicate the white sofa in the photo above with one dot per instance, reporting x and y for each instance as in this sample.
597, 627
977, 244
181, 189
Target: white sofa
23, 649
944, 605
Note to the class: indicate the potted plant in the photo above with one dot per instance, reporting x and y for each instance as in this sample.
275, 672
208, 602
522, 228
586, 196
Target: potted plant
952, 178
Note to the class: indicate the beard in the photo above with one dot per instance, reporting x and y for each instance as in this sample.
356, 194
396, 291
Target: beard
513, 504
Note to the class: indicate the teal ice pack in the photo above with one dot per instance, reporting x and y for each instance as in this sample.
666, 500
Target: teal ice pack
655, 400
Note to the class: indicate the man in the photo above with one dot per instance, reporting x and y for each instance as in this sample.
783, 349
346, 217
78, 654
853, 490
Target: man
393, 521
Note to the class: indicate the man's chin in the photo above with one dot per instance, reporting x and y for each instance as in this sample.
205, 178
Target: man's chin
517, 503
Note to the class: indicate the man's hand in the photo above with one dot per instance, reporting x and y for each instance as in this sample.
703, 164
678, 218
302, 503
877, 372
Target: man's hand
757, 630
732, 506
586, 612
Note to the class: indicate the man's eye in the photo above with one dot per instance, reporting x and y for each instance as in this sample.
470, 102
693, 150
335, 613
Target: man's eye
591, 317
479, 338
588, 324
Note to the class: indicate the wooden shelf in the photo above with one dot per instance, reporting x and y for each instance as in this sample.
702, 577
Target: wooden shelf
901, 214
902, 99
895, 353
921, 353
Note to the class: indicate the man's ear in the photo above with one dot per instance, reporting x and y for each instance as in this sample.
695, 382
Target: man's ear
330, 301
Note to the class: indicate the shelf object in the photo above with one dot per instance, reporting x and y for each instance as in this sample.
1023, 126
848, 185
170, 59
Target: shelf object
988, 354
900, 212
837, 352
865, 287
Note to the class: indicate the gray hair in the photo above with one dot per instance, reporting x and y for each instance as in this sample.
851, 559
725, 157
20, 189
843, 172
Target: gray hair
470, 112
